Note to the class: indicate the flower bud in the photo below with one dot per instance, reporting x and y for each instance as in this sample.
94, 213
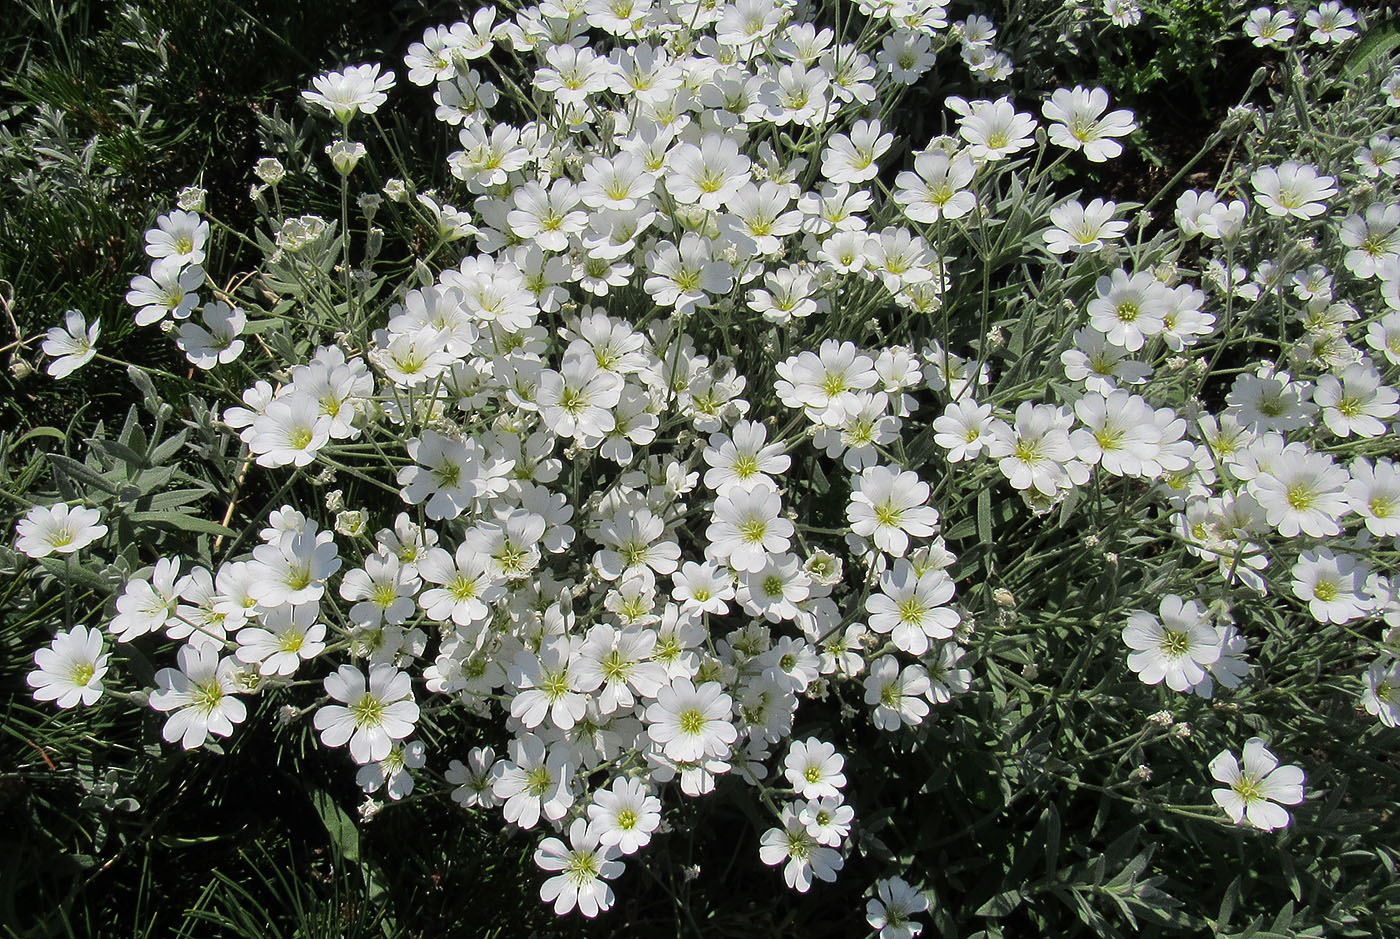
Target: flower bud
350, 523
396, 190
270, 170
19, 368
344, 155
191, 199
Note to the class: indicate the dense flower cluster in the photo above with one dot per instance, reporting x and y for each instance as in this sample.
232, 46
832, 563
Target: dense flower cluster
601, 539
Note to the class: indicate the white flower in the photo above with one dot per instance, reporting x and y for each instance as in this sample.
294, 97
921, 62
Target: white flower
180, 236
817, 380
547, 217
1178, 648
72, 345
618, 661
1035, 452
748, 526
1357, 402
686, 276
1333, 585
1122, 13
828, 820
888, 506
800, 95
993, 129
743, 459
291, 431
1266, 28
857, 428
200, 695
294, 567
689, 723
963, 429
1383, 336
945, 677
1374, 494
359, 89
896, 696
892, 908
534, 780
1374, 239
549, 685
632, 542
472, 780
1303, 493
572, 74
578, 400
1293, 189
71, 669
707, 175
1119, 434
1079, 122
217, 342
583, 864
619, 183
814, 768
1381, 696
345, 155
912, 608
369, 718
1330, 23
705, 587
57, 529
1256, 787
851, 159
453, 476
465, 586
806, 859
1184, 321
384, 588
936, 188
625, 815
147, 605
1270, 401
1380, 155
906, 55
287, 636
1129, 308
169, 291
1079, 228
392, 773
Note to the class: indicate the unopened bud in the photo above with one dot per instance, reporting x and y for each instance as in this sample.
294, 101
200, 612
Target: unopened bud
191, 199
344, 155
270, 170
20, 368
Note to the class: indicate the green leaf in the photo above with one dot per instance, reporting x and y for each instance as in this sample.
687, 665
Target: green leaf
1228, 904
53, 432
179, 521
984, 516
1378, 43
176, 498
1051, 818
81, 471
1001, 904
345, 837
168, 448
121, 452
75, 574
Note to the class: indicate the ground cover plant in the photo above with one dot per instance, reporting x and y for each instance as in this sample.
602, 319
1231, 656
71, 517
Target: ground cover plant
690, 500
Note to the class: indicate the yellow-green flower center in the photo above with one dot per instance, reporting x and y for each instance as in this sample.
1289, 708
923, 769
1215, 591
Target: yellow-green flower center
692, 722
